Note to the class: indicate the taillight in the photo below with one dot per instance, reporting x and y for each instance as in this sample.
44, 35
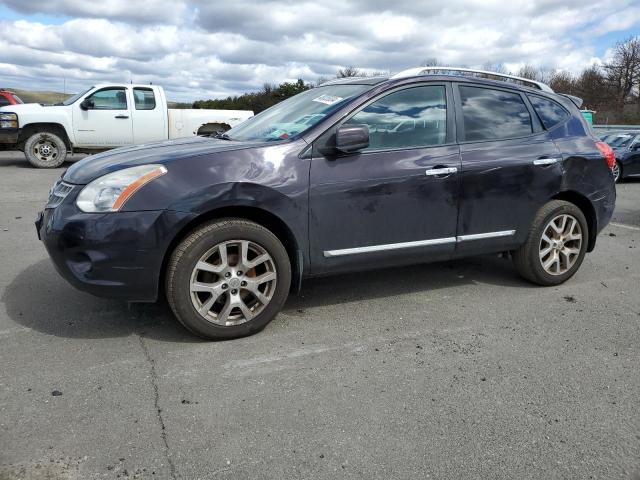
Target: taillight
607, 152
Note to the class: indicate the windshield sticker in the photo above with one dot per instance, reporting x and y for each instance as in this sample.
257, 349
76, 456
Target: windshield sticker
327, 99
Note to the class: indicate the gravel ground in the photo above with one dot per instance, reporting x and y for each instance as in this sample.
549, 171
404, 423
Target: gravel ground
451, 370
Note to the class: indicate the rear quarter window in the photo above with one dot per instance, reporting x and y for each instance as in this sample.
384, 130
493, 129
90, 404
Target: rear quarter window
550, 112
144, 98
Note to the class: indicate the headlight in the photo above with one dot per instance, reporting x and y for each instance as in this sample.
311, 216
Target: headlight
109, 192
8, 120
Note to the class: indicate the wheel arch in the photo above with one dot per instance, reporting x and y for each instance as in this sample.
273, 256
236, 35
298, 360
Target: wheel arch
255, 214
212, 127
51, 127
589, 212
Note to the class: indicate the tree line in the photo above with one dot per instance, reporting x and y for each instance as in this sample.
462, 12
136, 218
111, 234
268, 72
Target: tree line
257, 101
612, 89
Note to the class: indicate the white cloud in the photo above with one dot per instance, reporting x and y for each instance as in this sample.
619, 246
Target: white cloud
205, 48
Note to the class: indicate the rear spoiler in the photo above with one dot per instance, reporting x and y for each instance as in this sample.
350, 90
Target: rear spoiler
577, 101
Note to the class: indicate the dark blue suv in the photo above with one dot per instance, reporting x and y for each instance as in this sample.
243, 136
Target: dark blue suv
352, 175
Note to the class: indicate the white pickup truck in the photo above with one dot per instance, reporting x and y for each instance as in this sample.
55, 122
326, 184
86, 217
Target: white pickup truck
103, 117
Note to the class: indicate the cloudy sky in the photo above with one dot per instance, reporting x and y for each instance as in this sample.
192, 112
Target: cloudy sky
207, 49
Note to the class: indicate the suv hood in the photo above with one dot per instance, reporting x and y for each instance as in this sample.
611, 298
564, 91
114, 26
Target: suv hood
94, 166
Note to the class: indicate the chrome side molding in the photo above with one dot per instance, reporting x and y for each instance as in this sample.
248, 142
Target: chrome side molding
388, 246
418, 243
482, 236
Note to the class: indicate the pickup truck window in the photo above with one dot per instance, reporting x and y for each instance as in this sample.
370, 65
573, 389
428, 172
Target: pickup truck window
144, 98
110, 99
293, 116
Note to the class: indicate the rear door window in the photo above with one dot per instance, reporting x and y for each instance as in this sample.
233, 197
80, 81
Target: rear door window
144, 98
550, 112
414, 117
489, 114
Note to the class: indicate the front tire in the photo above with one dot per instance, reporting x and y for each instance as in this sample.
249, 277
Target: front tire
556, 244
45, 150
227, 279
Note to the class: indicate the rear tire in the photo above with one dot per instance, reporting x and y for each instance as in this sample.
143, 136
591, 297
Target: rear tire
45, 150
556, 244
214, 285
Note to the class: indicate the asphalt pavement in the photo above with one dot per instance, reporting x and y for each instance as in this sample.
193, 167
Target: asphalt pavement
447, 371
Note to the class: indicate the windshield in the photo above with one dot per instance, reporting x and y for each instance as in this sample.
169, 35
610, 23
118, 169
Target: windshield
295, 115
621, 141
75, 97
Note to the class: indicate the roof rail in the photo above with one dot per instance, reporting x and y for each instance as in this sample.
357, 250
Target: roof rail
470, 72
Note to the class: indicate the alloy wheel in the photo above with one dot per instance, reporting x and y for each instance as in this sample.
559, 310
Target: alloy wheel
616, 171
560, 244
233, 282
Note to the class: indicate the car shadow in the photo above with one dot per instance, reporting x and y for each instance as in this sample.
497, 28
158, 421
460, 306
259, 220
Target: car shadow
38, 298
390, 282
21, 162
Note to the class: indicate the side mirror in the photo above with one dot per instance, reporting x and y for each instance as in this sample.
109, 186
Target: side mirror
351, 138
87, 104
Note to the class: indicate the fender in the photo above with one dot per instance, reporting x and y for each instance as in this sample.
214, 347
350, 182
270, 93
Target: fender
31, 115
265, 179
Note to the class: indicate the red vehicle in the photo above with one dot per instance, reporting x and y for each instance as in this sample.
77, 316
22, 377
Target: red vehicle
8, 98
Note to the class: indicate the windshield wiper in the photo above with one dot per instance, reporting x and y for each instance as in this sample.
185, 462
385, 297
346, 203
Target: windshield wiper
222, 136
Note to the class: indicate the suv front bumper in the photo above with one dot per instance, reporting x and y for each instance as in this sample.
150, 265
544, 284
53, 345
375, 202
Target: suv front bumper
115, 255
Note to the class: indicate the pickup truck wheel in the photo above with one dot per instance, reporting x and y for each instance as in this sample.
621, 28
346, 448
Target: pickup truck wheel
45, 150
556, 244
227, 279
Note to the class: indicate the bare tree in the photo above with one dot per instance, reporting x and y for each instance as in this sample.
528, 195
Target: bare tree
494, 67
623, 70
592, 86
528, 71
430, 62
563, 82
350, 71
545, 74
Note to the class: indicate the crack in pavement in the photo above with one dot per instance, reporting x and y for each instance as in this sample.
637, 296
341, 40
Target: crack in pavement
154, 384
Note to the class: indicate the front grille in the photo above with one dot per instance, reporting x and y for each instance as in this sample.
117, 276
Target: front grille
58, 193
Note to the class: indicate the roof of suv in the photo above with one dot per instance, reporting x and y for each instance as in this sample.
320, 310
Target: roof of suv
436, 77
464, 75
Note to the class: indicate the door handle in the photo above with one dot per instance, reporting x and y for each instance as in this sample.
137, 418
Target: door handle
122, 116
546, 161
432, 172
